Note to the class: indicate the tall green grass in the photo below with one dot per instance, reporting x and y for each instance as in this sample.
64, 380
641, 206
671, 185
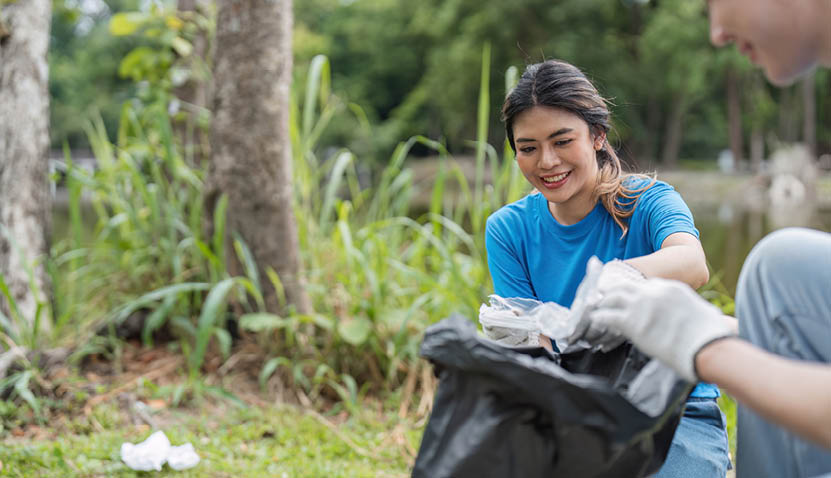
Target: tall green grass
378, 272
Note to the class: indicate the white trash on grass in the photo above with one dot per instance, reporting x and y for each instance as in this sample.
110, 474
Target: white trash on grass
155, 451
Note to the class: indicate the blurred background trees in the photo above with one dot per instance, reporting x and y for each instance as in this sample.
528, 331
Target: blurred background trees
413, 68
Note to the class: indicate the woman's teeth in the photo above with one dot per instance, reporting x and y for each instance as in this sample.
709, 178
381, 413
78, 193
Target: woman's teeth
554, 179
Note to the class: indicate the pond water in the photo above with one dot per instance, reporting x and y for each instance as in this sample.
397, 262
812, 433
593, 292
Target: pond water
728, 233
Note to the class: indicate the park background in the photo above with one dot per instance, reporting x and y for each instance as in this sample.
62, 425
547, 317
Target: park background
161, 312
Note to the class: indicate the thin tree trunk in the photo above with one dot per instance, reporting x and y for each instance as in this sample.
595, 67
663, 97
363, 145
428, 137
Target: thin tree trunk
809, 111
674, 132
734, 118
25, 202
653, 126
788, 125
251, 148
757, 149
757, 125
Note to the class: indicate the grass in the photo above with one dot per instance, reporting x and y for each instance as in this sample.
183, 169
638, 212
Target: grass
252, 442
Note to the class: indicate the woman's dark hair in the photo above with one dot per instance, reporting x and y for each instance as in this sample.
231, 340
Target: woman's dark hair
558, 84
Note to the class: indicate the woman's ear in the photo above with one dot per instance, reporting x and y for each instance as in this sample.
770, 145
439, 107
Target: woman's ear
599, 141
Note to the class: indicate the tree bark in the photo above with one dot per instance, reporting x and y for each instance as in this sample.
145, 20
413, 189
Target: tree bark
251, 158
25, 201
674, 132
193, 94
788, 115
757, 149
734, 118
809, 111
653, 126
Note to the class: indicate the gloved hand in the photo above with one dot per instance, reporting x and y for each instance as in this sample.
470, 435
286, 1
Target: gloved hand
665, 319
612, 274
615, 273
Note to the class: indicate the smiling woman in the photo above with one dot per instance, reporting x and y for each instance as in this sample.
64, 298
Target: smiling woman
584, 206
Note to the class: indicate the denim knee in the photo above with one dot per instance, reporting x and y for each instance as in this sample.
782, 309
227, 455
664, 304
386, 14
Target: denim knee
786, 273
777, 254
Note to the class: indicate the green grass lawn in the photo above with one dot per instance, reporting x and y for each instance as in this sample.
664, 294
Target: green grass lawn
277, 442
232, 442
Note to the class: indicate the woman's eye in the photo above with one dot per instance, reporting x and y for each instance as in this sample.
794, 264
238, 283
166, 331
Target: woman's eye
562, 142
527, 149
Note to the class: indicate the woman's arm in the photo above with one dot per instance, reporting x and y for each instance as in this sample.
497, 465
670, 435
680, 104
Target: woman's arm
680, 258
796, 395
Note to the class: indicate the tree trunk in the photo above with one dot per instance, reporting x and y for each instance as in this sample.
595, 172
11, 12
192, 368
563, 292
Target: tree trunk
251, 158
757, 149
734, 118
788, 123
25, 202
653, 126
674, 132
192, 95
809, 111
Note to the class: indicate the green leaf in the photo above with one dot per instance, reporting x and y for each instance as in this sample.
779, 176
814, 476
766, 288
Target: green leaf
157, 319
355, 330
225, 342
127, 23
270, 367
182, 46
319, 320
21, 386
262, 322
212, 310
135, 62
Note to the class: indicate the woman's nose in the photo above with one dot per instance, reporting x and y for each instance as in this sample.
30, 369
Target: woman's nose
548, 159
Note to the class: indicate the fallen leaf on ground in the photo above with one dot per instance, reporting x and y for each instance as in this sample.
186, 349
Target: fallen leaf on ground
156, 404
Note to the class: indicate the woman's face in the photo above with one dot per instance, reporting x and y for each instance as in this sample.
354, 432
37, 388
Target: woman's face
557, 154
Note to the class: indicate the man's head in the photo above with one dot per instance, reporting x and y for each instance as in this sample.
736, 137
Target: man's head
785, 37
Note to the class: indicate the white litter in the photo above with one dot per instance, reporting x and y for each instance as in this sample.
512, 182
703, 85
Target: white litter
182, 457
519, 321
155, 451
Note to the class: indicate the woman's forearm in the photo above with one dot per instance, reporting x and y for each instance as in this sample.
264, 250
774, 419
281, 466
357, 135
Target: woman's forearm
680, 258
796, 395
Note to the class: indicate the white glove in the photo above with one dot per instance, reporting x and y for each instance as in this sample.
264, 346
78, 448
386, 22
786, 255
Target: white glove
600, 336
615, 273
665, 319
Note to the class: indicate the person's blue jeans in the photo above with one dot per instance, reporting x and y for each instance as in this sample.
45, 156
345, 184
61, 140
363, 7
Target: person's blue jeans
783, 303
699, 448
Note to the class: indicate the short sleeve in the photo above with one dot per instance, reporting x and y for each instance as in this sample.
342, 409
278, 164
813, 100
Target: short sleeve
664, 213
510, 277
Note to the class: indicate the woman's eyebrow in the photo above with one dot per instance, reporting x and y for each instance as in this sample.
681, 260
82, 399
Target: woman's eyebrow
552, 135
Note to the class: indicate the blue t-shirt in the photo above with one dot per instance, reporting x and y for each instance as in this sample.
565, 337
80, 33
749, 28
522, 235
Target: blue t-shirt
531, 255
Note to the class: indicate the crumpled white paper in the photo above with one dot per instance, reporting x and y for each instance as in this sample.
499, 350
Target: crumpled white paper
182, 457
155, 451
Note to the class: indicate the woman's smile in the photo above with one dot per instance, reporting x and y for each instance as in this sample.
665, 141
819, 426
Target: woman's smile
555, 181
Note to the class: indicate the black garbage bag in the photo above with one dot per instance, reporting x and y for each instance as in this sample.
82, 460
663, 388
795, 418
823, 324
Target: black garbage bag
527, 412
